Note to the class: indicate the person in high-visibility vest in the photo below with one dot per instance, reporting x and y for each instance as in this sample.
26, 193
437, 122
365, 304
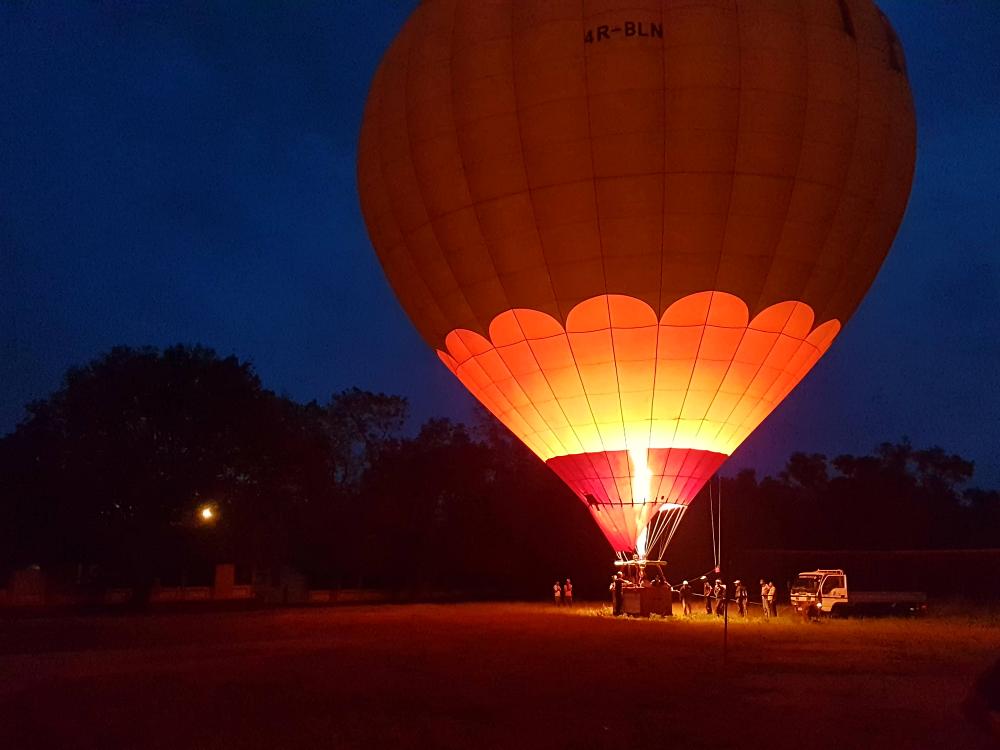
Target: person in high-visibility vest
772, 604
765, 607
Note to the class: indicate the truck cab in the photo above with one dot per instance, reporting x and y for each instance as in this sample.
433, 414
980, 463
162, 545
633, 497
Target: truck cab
824, 592
817, 592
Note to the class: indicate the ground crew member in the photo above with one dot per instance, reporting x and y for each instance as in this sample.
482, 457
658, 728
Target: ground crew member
707, 589
772, 604
720, 598
741, 597
685, 591
618, 586
557, 593
765, 607
568, 593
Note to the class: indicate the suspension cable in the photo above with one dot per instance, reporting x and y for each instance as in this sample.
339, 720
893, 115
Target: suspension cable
711, 511
718, 560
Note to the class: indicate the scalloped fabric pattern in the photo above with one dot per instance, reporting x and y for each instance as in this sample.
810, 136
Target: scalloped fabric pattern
616, 378
632, 411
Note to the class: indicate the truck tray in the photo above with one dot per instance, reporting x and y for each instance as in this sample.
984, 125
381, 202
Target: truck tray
880, 597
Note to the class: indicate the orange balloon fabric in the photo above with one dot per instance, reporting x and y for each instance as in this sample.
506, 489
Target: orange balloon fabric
630, 227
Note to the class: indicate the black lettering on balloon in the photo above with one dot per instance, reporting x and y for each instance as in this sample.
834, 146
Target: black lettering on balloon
628, 29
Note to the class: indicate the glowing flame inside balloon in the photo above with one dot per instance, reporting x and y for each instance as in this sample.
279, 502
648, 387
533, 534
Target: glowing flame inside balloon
642, 475
641, 543
642, 479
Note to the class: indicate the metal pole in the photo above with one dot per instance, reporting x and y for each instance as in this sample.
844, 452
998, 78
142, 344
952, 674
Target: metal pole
725, 600
725, 627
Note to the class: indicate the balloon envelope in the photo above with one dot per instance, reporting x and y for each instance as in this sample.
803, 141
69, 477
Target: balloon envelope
631, 227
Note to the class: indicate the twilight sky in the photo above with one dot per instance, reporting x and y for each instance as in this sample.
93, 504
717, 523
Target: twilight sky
185, 172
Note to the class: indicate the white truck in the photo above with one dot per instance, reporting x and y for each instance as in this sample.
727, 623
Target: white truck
817, 593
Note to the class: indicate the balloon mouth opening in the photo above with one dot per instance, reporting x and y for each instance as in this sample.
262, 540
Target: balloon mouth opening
604, 482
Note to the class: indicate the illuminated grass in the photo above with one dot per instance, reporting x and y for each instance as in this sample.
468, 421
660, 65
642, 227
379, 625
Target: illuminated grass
518, 675
940, 632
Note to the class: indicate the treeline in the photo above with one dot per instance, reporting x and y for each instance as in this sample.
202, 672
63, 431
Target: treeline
112, 470
897, 498
109, 474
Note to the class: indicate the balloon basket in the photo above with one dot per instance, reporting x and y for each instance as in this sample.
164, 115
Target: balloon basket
648, 592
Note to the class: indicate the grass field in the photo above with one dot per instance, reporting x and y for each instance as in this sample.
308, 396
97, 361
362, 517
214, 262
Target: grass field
486, 676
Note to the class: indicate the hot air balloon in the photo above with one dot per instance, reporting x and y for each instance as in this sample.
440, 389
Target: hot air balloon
631, 227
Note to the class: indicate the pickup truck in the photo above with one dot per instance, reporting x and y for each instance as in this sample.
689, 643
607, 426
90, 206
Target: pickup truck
825, 593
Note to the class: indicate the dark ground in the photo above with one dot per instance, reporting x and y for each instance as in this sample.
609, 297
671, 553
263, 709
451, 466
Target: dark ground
484, 676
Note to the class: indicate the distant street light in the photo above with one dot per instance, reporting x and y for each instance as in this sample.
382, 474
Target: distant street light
207, 514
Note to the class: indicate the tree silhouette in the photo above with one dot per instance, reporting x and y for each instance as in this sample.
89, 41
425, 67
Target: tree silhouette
111, 469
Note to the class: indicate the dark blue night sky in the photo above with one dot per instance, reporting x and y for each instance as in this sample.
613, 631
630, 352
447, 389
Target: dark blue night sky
185, 172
